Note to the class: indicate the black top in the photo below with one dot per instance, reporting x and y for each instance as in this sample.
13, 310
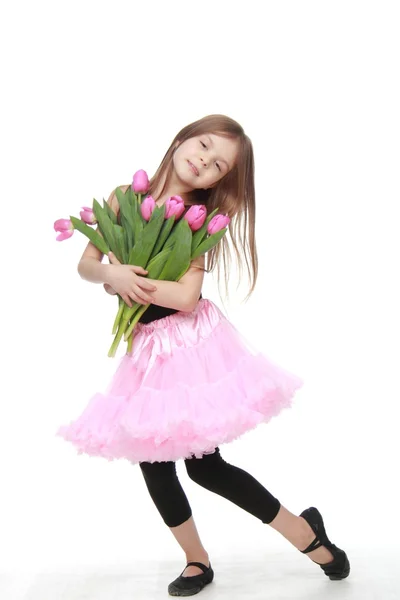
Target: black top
155, 312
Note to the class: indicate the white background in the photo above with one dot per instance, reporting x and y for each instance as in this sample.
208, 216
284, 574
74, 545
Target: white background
93, 91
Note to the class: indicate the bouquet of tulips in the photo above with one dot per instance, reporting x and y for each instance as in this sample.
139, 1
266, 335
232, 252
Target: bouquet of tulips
155, 238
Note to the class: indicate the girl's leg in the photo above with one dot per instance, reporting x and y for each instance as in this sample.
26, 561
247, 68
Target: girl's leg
299, 533
241, 488
188, 538
171, 501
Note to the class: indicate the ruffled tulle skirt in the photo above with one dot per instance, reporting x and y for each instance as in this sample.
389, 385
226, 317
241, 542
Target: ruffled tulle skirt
191, 383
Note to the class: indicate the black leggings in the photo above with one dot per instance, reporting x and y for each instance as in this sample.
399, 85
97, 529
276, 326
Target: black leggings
214, 474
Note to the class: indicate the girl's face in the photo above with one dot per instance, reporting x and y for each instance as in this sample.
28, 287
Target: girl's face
201, 161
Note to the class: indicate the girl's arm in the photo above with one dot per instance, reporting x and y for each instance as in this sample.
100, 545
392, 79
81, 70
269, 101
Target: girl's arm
94, 271
183, 294
187, 290
170, 294
180, 295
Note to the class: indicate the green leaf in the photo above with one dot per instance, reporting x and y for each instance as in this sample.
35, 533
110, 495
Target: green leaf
92, 234
122, 253
140, 222
125, 207
105, 224
131, 197
165, 231
180, 257
209, 243
175, 232
199, 235
127, 218
156, 264
110, 212
136, 220
143, 248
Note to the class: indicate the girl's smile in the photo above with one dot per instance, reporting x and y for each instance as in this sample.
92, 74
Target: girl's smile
193, 168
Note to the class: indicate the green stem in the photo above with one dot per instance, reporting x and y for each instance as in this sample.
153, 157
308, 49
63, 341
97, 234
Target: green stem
117, 339
135, 320
129, 311
119, 315
123, 324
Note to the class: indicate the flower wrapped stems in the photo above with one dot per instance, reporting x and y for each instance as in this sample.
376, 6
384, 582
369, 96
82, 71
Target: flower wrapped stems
155, 238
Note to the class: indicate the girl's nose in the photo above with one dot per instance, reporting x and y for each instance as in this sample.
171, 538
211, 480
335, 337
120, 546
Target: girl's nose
203, 161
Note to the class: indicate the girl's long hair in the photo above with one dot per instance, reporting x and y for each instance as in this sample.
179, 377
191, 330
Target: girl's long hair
234, 195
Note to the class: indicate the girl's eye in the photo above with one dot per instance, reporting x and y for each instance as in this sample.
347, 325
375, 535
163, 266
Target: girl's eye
204, 146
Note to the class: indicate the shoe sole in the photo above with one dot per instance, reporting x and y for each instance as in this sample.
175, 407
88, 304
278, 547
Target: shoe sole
176, 592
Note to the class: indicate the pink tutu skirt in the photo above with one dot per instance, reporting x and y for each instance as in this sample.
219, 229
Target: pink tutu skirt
191, 383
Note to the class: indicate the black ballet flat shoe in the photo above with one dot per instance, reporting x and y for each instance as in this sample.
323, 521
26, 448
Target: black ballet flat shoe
189, 586
339, 567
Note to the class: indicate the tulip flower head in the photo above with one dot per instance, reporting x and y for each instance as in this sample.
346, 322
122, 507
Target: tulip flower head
147, 207
140, 183
195, 216
174, 206
65, 229
217, 223
87, 215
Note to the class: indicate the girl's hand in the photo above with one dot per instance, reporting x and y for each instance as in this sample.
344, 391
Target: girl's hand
109, 289
126, 281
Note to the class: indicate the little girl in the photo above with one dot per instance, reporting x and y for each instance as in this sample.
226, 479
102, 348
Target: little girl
191, 381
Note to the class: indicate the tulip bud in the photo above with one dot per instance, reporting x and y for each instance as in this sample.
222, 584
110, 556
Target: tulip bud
195, 216
87, 215
140, 183
217, 223
174, 206
147, 207
65, 227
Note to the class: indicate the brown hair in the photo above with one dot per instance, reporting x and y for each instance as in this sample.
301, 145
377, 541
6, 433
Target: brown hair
234, 195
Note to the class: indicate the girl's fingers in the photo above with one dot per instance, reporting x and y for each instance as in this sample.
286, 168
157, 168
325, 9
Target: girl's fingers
113, 259
109, 289
146, 285
127, 300
138, 268
146, 299
140, 299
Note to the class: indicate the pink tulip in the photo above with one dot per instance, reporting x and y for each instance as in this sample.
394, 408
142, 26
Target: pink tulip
147, 207
87, 215
174, 206
195, 216
217, 223
65, 227
140, 183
